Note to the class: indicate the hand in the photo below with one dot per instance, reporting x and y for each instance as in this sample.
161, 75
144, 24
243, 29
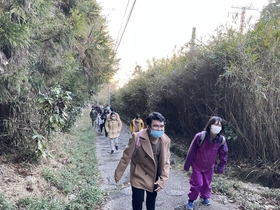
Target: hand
158, 187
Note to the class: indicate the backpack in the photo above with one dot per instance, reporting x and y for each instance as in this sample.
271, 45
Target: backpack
202, 137
138, 143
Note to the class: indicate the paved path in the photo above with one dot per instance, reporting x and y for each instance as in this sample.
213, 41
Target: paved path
172, 197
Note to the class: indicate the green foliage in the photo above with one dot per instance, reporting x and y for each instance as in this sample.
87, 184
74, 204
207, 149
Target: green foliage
41, 203
41, 145
4, 205
13, 30
79, 23
54, 49
230, 133
86, 198
219, 185
52, 107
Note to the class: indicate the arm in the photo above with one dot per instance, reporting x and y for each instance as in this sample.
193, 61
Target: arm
164, 175
107, 126
223, 156
125, 159
120, 125
193, 147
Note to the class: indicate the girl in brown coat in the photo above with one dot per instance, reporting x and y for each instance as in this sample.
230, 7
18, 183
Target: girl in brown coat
113, 126
149, 163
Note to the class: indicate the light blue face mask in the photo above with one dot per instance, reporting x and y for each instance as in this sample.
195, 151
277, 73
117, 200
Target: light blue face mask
157, 134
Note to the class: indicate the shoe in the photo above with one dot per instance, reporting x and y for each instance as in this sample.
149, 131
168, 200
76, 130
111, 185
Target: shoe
112, 151
189, 206
117, 147
206, 202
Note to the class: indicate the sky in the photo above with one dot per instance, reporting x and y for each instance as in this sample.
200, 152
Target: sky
155, 27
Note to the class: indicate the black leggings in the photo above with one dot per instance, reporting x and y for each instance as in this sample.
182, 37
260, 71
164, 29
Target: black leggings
138, 198
101, 129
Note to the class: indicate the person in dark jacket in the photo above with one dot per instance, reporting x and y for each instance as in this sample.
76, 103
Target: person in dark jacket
202, 157
104, 118
93, 116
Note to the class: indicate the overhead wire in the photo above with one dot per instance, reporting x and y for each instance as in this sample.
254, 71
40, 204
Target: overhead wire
122, 21
125, 25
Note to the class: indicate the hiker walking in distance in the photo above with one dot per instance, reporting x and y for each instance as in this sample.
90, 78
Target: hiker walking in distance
148, 152
206, 146
93, 116
113, 126
104, 118
136, 124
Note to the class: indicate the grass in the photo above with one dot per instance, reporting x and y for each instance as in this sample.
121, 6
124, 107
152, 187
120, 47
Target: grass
4, 205
75, 182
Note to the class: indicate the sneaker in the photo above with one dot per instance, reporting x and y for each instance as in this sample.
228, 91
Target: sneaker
189, 206
112, 151
206, 202
117, 147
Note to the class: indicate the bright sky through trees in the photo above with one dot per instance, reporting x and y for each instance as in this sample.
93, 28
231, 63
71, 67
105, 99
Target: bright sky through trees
157, 26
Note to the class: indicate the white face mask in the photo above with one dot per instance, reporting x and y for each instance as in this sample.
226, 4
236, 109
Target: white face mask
215, 129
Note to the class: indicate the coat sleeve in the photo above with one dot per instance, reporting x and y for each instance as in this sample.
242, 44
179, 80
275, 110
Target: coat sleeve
107, 125
125, 159
164, 175
223, 156
190, 155
119, 125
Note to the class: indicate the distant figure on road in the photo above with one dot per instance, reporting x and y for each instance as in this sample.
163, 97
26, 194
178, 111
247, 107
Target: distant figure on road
113, 126
98, 122
93, 116
104, 118
136, 124
203, 151
148, 152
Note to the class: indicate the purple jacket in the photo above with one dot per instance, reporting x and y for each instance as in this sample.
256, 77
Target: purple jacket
203, 157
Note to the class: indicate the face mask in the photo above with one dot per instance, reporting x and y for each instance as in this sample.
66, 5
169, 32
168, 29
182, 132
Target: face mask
157, 134
137, 120
113, 117
215, 129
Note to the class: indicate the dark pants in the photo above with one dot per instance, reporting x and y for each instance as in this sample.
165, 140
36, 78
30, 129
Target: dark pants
101, 129
138, 198
102, 126
106, 133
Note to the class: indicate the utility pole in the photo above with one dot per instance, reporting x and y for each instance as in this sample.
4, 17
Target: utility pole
243, 14
192, 40
109, 100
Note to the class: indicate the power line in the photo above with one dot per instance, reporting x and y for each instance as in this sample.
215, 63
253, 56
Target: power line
125, 25
122, 21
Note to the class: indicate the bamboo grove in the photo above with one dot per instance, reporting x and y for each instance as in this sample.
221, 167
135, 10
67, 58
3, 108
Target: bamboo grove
54, 55
235, 76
